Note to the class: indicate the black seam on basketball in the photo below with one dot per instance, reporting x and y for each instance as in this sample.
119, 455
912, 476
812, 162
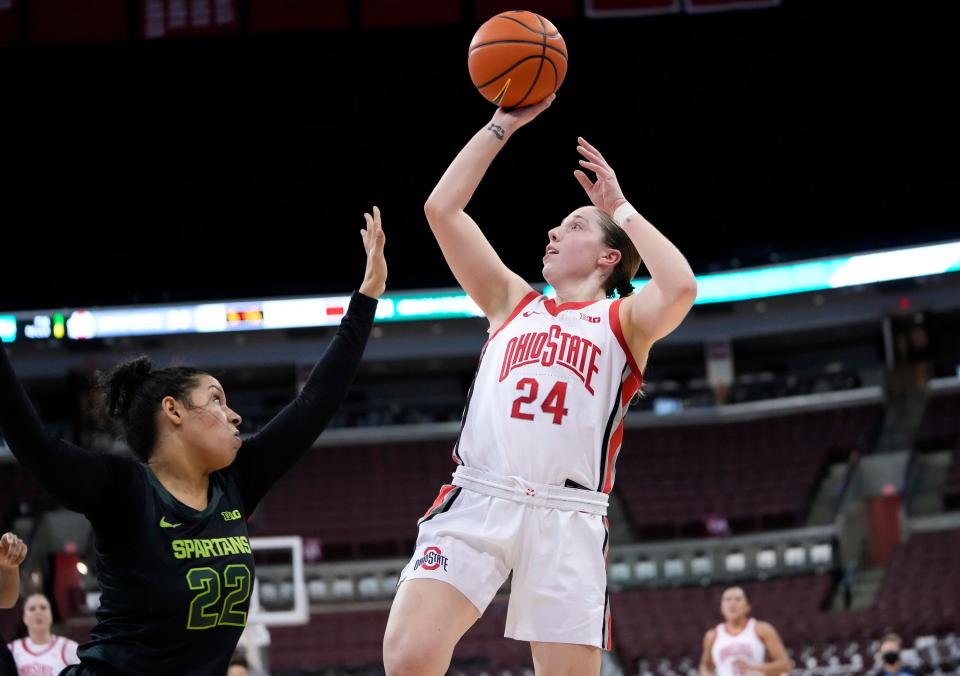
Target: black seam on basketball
557, 49
517, 42
556, 73
517, 63
510, 18
536, 78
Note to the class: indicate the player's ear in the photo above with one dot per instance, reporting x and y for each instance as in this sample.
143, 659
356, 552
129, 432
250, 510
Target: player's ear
610, 258
171, 410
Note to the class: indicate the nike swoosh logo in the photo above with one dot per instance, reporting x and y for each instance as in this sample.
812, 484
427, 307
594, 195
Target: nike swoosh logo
166, 524
530, 312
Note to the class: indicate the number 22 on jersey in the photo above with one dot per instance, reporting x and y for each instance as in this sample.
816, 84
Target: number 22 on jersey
205, 609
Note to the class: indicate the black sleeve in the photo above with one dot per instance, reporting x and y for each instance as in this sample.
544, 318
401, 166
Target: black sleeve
267, 455
78, 479
7, 666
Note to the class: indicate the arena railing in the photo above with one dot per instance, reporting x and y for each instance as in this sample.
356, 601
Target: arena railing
681, 563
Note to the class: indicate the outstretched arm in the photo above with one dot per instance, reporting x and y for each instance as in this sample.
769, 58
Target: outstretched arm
265, 456
662, 303
12, 553
473, 261
79, 479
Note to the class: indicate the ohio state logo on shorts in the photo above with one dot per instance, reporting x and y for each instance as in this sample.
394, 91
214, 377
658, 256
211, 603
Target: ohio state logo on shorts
432, 559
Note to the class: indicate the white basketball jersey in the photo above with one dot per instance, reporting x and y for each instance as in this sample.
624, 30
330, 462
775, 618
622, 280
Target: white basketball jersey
551, 390
43, 660
744, 647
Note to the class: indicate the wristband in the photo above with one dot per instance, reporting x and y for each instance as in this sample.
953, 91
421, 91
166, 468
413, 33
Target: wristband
623, 212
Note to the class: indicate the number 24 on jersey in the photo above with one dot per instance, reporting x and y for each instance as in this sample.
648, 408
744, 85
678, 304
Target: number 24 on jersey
553, 403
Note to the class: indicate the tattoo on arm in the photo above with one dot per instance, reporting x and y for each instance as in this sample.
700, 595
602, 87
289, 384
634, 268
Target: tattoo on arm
497, 130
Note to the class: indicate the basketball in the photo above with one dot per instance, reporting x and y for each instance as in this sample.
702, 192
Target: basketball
517, 59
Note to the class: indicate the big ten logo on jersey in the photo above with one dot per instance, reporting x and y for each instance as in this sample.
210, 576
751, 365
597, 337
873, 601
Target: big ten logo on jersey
553, 346
432, 559
234, 515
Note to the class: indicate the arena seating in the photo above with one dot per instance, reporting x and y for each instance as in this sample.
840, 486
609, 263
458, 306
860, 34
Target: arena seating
18, 491
653, 624
361, 501
760, 474
921, 588
951, 489
660, 630
347, 639
649, 624
940, 430
940, 426
364, 500
353, 639
940, 656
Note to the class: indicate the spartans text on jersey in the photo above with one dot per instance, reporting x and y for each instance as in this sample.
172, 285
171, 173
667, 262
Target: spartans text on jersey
197, 548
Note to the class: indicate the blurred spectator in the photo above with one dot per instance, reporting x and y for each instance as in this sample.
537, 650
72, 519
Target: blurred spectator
891, 647
42, 651
718, 525
238, 666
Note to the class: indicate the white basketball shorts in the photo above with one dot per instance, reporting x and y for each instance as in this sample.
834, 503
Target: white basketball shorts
558, 594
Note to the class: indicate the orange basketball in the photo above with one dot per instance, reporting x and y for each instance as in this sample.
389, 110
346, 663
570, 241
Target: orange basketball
517, 59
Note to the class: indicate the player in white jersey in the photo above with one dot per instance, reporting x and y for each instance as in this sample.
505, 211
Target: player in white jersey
41, 653
741, 645
542, 424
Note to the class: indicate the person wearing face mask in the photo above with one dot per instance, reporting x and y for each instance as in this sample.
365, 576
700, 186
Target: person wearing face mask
891, 660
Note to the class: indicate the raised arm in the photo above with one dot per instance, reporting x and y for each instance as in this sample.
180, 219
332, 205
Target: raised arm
78, 479
473, 261
661, 304
12, 553
267, 455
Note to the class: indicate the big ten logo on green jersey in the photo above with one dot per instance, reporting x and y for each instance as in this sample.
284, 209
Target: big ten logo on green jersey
206, 610
235, 515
